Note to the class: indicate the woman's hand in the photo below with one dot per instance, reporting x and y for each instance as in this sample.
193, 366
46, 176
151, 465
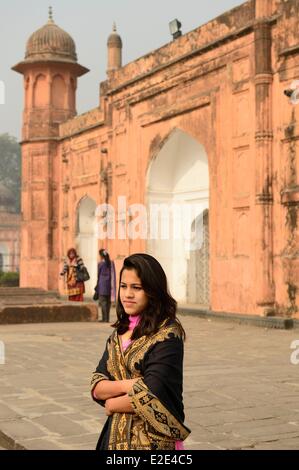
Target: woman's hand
107, 389
127, 384
108, 407
120, 404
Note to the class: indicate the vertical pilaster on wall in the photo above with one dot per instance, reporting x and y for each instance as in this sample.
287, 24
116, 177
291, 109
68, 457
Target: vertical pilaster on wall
290, 201
264, 8
265, 293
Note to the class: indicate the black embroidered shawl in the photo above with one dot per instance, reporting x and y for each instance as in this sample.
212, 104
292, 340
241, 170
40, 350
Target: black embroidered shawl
156, 397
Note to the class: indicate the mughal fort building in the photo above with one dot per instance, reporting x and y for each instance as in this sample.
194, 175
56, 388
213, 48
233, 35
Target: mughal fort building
203, 122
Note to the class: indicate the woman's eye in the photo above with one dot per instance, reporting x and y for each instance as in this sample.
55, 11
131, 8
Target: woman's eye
137, 288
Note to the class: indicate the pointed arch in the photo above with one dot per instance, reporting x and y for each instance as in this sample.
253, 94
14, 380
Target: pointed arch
58, 92
177, 182
40, 91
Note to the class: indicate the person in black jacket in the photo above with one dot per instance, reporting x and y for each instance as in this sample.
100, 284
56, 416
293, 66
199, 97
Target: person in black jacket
139, 379
105, 288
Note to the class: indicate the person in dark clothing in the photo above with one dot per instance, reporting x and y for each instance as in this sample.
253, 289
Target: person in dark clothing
139, 379
105, 287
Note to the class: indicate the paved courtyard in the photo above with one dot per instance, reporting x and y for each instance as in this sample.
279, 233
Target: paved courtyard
241, 390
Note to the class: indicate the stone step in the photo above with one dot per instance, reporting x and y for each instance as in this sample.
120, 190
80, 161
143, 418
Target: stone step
26, 291
64, 312
29, 300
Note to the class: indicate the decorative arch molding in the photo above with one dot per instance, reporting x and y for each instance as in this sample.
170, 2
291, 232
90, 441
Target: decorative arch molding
40, 91
86, 207
58, 92
160, 141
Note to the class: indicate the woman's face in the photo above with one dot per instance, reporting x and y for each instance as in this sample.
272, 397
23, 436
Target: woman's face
132, 295
72, 254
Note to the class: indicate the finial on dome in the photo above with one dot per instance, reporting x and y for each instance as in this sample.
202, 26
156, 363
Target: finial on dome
50, 20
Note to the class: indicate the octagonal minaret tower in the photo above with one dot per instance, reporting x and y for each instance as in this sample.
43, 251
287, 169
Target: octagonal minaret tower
50, 71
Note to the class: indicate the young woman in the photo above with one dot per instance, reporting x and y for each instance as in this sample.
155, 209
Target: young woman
105, 288
74, 288
139, 379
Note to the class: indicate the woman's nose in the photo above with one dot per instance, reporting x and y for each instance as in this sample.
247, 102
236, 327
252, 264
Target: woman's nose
129, 292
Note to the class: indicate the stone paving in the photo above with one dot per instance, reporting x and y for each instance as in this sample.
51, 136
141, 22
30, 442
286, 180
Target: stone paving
240, 391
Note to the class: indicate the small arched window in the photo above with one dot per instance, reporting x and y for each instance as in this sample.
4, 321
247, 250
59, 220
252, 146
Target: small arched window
40, 94
58, 92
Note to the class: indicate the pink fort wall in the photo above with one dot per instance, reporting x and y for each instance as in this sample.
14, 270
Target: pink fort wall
223, 85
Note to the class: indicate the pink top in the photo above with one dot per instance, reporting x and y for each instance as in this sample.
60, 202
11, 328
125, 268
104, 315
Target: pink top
134, 320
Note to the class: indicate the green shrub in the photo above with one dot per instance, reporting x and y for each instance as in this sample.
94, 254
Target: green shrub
9, 279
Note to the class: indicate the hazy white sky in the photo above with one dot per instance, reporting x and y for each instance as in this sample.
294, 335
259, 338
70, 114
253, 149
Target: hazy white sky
142, 24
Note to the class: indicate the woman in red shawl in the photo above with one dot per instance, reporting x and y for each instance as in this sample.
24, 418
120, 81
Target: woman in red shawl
74, 288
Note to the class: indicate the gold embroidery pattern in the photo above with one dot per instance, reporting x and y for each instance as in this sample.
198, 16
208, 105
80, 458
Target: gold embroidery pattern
131, 431
120, 435
151, 410
135, 352
138, 349
115, 364
139, 436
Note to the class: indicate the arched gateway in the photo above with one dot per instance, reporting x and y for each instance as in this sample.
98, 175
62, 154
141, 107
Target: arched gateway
177, 195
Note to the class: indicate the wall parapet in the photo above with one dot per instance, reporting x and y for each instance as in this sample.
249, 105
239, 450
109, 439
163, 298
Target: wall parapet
82, 123
201, 39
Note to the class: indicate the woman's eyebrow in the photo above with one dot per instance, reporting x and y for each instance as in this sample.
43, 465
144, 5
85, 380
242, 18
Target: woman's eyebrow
133, 284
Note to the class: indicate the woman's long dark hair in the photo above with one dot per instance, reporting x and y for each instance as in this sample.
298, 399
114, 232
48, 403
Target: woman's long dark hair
72, 250
104, 254
161, 305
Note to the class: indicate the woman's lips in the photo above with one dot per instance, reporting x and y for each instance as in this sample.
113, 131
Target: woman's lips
129, 303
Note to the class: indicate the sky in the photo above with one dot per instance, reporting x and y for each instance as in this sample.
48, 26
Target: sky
142, 25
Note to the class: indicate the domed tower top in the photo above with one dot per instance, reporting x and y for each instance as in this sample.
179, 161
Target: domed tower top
114, 45
114, 38
50, 43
